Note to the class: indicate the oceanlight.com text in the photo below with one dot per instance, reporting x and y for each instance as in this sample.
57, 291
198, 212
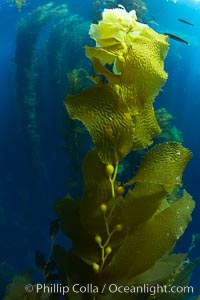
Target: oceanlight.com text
108, 288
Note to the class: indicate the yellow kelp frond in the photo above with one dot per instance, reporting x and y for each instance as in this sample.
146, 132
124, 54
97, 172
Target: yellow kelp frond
94, 172
107, 119
98, 192
116, 27
146, 127
138, 75
164, 269
140, 204
164, 165
149, 242
98, 176
143, 69
136, 56
118, 32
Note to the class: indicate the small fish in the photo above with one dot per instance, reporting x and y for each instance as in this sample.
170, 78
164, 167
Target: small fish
176, 38
121, 6
186, 22
150, 20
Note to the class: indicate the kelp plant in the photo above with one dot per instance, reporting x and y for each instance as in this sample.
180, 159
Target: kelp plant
124, 233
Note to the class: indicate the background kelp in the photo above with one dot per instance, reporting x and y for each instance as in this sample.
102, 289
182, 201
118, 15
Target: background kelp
50, 33
43, 62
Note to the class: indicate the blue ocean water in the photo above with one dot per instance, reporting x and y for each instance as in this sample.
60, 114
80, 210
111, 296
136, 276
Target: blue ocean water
39, 161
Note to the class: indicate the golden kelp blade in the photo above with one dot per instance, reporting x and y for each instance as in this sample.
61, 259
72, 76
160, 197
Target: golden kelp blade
164, 165
149, 242
107, 119
119, 114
